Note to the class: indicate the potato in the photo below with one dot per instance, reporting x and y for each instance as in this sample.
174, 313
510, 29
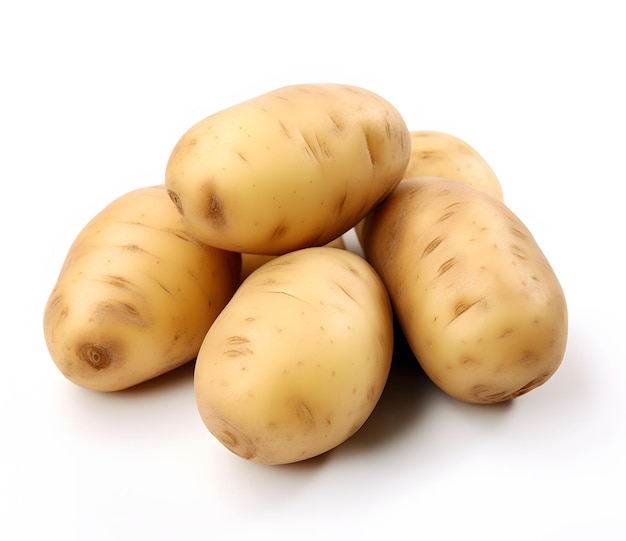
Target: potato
479, 303
135, 295
440, 154
295, 167
251, 262
296, 362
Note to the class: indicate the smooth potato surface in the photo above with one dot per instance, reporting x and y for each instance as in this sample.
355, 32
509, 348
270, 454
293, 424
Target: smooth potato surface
295, 167
478, 301
297, 360
135, 295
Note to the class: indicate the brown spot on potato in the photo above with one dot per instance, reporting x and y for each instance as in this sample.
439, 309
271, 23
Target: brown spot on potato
95, 355
481, 394
239, 346
346, 292
370, 145
176, 200
534, 383
215, 210
432, 245
354, 429
303, 412
518, 251
446, 266
279, 232
518, 233
232, 438
117, 281
462, 307
284, 130
337, 124
445, 216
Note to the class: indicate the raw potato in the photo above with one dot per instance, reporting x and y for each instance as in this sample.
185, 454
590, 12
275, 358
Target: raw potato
292, 168
439, 154
251, 262
135, 295
480, 305
296, 362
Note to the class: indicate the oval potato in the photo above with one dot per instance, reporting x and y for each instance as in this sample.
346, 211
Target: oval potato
295, 167
478, 301
297, 360
136, 294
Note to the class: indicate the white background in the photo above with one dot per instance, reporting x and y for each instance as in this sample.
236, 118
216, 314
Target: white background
93, 96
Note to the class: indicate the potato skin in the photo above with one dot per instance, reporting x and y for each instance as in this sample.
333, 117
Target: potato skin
135, 295
478, 301
251, 262
297, 360
440, 154
292, 168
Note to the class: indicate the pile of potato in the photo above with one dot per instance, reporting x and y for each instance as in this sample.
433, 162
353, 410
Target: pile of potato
237, 262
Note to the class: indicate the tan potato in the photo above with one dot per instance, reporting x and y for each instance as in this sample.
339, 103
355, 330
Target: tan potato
292, 168
251, 262
297, 360
440, 154
478, 301
135, 295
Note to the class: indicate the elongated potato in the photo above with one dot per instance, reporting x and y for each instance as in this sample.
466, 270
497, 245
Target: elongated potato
440, 154
292, 168
478, 301
135, 295
297, 360
251, 262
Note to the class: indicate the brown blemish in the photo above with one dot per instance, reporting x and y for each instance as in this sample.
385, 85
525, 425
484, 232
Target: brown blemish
446, 266
95, 355
279, 232
239, 346
215, 210
462, 307
336, 123
479, 391
432, 245
370, 145
518, 251
176, 200
346, 292
232, 438
303, 412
